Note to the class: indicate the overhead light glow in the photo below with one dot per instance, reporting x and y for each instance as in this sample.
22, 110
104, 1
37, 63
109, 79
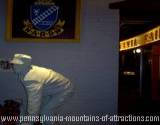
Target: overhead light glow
138, 50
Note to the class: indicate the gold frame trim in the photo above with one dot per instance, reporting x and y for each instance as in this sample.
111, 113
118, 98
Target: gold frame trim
9, 27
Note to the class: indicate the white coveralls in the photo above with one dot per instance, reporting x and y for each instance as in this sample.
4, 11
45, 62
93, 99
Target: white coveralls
45, 89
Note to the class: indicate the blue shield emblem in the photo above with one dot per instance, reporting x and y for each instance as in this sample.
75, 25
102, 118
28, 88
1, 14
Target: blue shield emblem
43, 17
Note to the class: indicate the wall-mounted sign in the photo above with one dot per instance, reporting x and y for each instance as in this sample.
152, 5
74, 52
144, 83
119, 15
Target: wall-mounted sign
148, 37
43, 20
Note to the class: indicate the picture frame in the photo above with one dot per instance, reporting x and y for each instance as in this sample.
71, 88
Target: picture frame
43, 20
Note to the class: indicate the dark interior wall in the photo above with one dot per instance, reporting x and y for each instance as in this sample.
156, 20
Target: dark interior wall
92, 64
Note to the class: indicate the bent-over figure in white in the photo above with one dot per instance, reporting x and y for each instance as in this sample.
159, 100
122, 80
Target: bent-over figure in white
46, 90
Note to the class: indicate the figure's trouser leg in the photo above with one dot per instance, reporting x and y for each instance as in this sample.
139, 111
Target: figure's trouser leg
51, 104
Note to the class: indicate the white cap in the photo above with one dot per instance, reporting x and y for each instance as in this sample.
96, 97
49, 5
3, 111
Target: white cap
21, 59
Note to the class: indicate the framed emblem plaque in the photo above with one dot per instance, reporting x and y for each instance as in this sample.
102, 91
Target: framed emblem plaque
43, 20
